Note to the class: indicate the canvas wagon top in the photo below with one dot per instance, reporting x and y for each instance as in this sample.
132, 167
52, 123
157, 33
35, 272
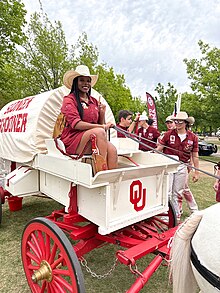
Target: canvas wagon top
26, 123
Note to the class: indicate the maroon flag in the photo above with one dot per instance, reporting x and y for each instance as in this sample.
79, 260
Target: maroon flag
152, 111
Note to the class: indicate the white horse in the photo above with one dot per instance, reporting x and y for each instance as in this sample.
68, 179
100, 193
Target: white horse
195, 253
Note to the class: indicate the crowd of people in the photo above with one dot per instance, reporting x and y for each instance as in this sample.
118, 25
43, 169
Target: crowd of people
178, 141
85, 116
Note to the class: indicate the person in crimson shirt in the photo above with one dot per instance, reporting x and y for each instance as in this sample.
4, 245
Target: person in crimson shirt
187, 193
170, 123
125, 122
216, 185
147, 134
180, 142
84, 117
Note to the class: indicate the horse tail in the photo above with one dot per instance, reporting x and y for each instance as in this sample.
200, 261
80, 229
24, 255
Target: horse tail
181, 272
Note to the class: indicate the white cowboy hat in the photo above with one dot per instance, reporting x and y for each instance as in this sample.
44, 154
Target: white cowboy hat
81, 70
184, 116
169, 119
143, 116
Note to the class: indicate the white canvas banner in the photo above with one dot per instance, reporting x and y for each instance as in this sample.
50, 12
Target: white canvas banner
26, 123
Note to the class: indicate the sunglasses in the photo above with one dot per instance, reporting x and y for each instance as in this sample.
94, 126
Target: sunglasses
179, 121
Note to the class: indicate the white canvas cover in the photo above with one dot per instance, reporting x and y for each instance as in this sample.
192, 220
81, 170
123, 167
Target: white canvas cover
26, 123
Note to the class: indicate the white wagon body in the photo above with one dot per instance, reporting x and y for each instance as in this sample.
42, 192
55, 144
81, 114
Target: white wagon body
111, 199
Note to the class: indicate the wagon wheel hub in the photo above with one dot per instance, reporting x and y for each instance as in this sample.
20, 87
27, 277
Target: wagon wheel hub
44, 273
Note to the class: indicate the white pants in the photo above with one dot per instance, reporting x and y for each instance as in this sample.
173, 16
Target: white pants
179, 188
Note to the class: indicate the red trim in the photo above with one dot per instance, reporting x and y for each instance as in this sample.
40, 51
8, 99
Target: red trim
73, 200
13, 166
95, 149
10, 179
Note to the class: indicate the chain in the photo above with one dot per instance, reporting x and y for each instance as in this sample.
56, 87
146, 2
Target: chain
93, 274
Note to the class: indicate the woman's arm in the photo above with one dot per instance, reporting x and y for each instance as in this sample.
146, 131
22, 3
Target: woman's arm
102, 109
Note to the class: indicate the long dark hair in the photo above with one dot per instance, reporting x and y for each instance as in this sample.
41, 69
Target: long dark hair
187, 125
75, 91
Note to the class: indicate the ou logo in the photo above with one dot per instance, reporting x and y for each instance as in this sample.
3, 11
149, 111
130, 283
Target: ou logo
137, 195
150, 101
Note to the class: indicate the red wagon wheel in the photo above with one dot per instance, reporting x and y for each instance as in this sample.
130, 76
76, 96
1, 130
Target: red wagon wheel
165, 221
49, 260
0, 207
2, 199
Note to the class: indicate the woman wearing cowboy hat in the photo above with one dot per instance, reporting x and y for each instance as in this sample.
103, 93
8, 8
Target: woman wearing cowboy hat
85, 116
183, 143
187, 193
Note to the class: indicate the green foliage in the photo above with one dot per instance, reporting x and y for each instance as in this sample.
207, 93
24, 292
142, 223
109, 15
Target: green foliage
205, 76
113, 88
46, 54
165, 103
111, 85
12, 20
42, 62
84, 52
191, 104
46, 58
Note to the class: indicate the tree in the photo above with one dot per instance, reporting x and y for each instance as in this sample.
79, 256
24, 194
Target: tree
111, 85
205, 76
45, 59
191, 104
12, 20
46, 54
113, 88
41, 64
84, 52
165, 103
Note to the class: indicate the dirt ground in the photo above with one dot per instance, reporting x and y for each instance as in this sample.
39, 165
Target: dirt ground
207, 166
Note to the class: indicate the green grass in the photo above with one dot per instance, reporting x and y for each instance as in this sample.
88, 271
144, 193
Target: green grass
211, 158
100, 260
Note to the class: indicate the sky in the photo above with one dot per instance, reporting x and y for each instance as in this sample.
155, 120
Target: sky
142, 39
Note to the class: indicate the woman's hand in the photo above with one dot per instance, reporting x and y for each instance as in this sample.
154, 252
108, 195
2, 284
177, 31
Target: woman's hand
108, 125
102, 108
215, 186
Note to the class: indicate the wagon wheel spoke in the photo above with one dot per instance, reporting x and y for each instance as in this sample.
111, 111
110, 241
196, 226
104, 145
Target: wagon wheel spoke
61, 272
34, 249
53, 253
59, 280
42, 244
43, 287
57, 262
49, 260
165, 221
